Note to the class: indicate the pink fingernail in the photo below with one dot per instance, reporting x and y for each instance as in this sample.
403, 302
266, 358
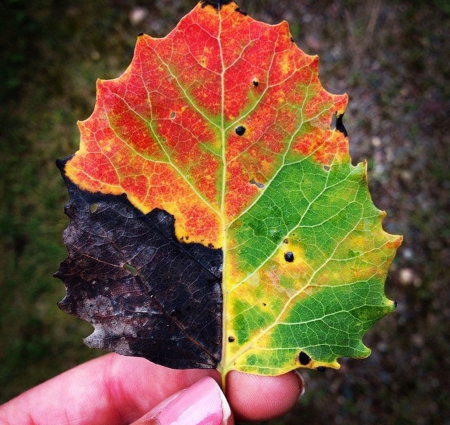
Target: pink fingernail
297, 372
201, 404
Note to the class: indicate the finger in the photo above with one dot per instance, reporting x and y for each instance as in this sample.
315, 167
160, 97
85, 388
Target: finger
201, 403
115, 389
254, 398
109, 390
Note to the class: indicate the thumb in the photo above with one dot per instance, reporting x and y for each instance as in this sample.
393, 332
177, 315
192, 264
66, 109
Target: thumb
200, 404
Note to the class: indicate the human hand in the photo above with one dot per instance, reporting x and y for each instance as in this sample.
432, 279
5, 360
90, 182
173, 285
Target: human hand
117, 390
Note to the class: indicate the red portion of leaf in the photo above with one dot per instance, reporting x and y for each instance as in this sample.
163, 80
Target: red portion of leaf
323, 146
164, 133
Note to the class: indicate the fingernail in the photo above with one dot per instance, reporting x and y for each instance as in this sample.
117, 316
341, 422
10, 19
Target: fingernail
203, 403
302, 382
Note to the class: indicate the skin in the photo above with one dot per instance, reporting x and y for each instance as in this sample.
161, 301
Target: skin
117, 390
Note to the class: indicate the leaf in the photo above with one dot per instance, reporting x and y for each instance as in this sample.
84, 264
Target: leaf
112, 247
216, 218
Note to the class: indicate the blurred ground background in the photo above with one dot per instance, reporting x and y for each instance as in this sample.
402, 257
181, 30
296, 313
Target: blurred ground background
391, 57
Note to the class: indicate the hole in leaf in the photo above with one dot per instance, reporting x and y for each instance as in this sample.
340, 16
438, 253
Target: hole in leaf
172, 115
304, 358
131, 269
255, 82
231, 339
326, 167
395, 304
289, 256
240, 131
321, 369
93, 207
259, 185
340, 125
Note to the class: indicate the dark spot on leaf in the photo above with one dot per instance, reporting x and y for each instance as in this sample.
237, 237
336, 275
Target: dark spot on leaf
285, 240
131, 269
255, 82
304, 358
326, 167
172, 115
289, 256
231, 339
340, 125
93, 207
321, 369
264, 304
240, 131
240, 11
258, 184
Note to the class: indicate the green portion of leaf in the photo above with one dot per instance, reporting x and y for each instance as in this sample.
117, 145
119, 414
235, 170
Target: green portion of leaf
313, 260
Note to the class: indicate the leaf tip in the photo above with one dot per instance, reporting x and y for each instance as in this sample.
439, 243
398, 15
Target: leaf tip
216, 4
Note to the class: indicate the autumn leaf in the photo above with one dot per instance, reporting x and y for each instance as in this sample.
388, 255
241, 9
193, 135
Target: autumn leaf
216, 219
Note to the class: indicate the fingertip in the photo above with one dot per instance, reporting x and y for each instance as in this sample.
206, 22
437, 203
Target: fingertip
254, 398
